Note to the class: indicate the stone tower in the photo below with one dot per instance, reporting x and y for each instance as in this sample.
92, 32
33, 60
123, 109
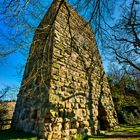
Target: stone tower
64, 90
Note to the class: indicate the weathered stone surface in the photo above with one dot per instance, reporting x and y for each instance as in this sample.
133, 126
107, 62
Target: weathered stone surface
64, 89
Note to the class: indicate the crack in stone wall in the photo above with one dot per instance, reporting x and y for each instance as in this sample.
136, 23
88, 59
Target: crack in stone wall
64, 90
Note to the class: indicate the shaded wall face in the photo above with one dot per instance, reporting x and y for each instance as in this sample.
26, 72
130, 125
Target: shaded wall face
34, 93
33, 97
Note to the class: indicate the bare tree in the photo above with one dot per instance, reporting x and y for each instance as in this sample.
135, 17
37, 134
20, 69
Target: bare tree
125, 38
4, 91
21, 19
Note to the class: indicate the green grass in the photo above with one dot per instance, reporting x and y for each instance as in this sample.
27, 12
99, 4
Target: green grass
19, 135
16, 135
128, 128
133, 131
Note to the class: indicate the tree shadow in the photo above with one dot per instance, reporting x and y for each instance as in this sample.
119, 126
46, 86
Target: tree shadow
12, 134
117, 136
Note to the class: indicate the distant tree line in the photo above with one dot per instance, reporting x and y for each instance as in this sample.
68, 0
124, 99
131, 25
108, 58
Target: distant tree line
125, 91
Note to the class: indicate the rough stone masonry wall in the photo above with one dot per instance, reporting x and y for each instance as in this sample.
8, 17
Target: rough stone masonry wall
79, 87
33, 101
65, 90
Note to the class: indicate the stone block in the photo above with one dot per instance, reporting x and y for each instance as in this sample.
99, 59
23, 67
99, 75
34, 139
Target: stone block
59, 119
73, 131
56, 135
85, 123
48, 127
65, 133
67, 125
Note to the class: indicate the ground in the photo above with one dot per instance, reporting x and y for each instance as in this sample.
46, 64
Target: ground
123, 133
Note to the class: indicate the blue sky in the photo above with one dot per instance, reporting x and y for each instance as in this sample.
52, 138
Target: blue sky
11, 67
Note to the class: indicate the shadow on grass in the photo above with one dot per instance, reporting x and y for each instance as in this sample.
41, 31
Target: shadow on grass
117, 136
10, 134
125, 131
111, 137
131, 129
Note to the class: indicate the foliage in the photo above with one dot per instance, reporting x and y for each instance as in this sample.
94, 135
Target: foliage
3, 107
3, 113
125, 95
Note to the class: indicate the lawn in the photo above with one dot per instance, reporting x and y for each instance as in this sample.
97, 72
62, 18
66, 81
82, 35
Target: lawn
128, 128
125, 132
